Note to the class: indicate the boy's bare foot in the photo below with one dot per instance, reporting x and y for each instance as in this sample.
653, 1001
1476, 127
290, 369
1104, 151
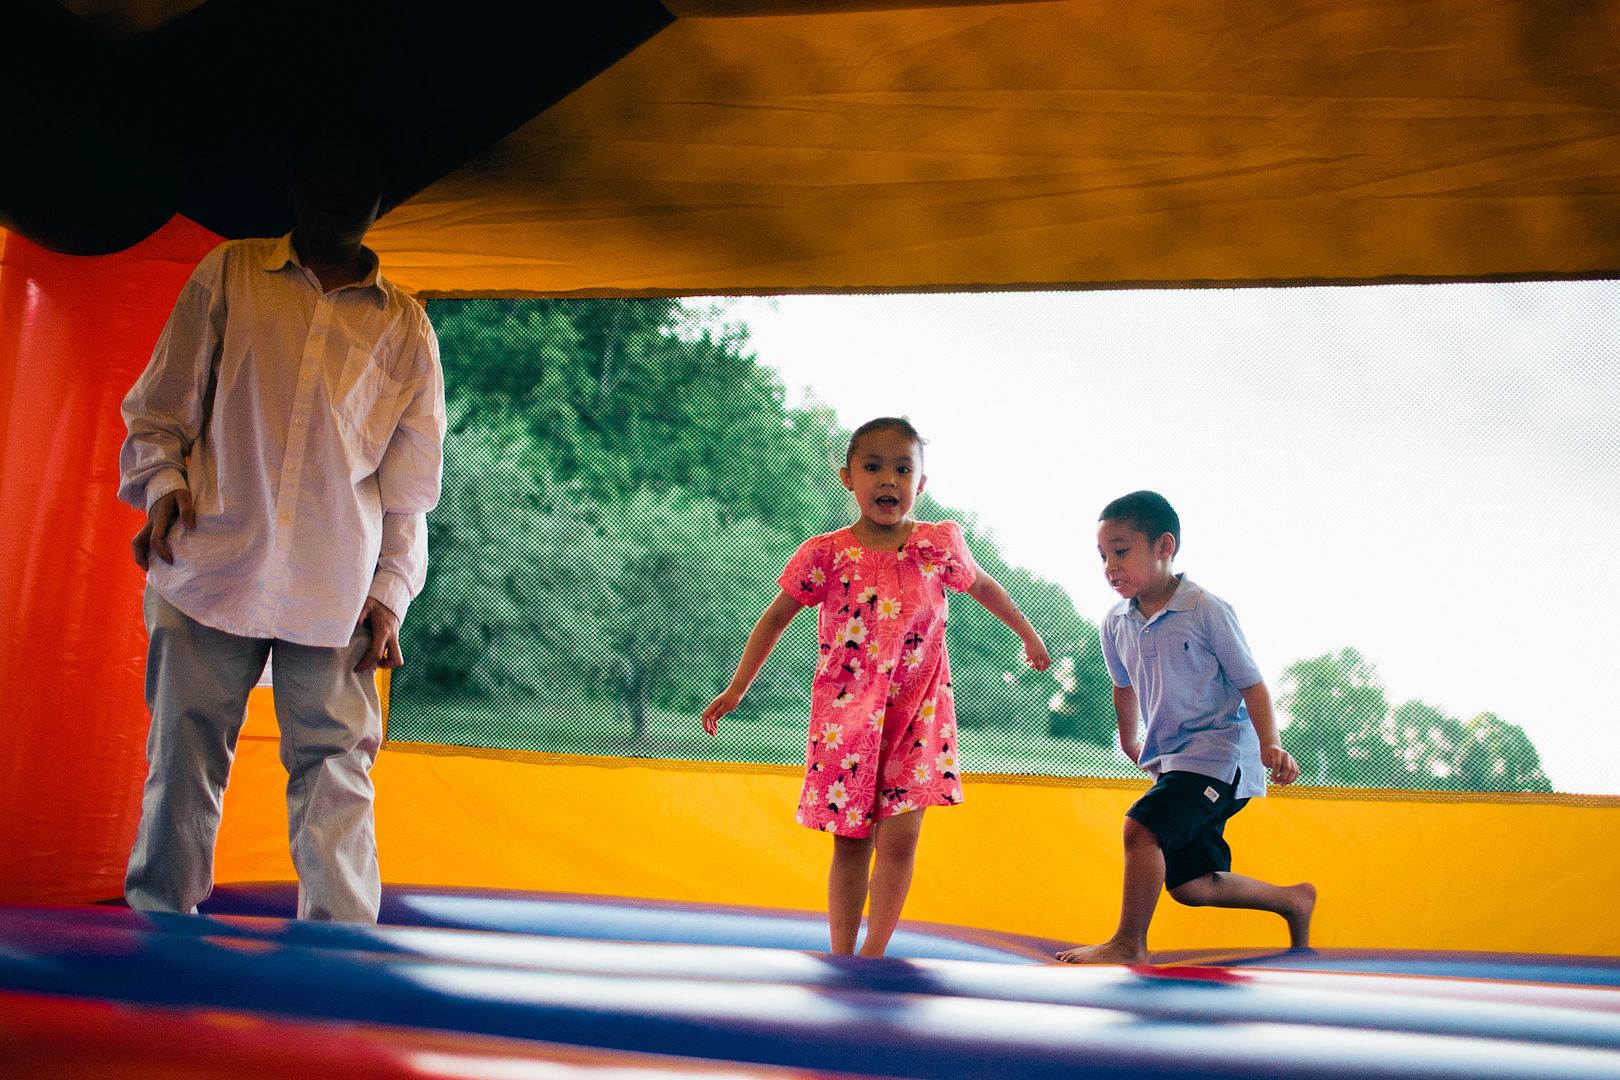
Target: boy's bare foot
1109, 952
1302, 899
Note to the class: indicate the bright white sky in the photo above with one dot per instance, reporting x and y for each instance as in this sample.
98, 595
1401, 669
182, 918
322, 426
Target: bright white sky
1426, 473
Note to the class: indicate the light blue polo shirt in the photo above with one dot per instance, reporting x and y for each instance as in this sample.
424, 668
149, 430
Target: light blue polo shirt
1188, 664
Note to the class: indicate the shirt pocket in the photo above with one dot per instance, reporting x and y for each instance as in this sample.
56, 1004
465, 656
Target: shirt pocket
367, 402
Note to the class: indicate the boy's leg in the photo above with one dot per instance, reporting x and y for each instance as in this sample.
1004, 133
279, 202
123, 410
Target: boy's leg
1220, 888
197, 685
891, 877
846, 890
331, 728
1144, 879
1201, 876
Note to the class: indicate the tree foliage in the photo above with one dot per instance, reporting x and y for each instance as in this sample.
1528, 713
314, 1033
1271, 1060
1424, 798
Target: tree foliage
1342, 730
623, 482
621, 489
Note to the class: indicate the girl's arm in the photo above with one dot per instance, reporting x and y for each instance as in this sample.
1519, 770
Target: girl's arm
987, 591
1128, 714
761, 641
1284, 770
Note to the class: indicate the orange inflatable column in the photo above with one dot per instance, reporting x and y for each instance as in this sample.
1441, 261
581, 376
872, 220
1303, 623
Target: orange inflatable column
75, 333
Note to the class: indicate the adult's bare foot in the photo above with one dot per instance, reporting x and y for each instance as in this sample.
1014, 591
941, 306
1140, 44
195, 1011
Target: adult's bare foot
1109, 952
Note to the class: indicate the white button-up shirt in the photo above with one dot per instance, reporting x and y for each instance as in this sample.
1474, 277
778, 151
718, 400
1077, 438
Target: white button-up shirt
309, 429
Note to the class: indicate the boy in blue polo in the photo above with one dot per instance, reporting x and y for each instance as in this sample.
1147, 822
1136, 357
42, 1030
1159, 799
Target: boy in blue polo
1179, 662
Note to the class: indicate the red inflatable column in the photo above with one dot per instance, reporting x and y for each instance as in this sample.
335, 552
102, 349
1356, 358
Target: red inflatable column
75, 333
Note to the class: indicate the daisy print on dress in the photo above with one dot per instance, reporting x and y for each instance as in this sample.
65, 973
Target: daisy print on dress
815, 577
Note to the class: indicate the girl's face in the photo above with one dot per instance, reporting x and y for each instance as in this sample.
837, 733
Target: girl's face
885, 476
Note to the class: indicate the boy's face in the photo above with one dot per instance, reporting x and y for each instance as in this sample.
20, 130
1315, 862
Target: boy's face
885, 476
1133, 564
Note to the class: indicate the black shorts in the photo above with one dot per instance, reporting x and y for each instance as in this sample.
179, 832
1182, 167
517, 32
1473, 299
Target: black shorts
1187, 813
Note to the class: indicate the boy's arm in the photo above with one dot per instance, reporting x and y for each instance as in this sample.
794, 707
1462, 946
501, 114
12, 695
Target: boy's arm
988, 591
1284, 769
767, 631
1129, 716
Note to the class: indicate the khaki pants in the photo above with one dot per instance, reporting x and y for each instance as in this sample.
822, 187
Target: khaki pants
197, 684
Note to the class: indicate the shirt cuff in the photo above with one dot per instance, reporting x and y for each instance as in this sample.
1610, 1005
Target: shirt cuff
163, 483
390, 590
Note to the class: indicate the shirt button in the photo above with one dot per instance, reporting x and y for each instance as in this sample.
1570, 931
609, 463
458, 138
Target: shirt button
284, 516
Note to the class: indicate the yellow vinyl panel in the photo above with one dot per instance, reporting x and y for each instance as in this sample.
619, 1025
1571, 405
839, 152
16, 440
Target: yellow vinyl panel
1042, 857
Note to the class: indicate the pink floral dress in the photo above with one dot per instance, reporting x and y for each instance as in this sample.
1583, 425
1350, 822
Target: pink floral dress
882, 722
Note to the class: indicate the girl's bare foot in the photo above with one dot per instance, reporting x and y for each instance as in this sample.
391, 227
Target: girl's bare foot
1109, 952
1303, 905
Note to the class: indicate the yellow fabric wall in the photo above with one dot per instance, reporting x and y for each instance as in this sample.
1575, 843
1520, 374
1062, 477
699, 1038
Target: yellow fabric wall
1396, 870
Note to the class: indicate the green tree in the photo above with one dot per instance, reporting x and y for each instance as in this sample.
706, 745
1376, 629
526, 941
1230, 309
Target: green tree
1083, 707
658, 620
1343, 733
1336, 708
1427, 744
995, 687
614, 494
1499, 756
623, 481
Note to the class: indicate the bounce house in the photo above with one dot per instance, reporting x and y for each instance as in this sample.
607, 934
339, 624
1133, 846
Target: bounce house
549, 913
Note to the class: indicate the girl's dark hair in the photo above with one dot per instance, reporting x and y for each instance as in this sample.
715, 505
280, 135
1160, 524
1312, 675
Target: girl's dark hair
885, 423
1146, 511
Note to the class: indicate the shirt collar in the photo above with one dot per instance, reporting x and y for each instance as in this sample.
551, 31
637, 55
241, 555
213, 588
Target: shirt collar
1185, 598
284, 254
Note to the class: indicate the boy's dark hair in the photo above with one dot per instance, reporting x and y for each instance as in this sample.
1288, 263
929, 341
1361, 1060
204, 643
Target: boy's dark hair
885, 423
1146, 511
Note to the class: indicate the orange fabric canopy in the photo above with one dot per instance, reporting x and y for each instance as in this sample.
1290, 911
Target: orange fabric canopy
750, 147
1051, 144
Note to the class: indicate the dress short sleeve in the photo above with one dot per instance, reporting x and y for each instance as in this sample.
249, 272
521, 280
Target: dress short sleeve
806, 575
957, 568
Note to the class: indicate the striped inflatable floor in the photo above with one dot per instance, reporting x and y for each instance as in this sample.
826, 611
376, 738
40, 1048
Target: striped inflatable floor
459, 983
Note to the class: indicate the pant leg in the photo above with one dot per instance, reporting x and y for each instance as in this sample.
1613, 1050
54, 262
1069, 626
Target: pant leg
331, 727
197, 684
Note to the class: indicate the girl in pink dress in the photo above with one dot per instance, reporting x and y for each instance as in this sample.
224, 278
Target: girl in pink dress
882, 722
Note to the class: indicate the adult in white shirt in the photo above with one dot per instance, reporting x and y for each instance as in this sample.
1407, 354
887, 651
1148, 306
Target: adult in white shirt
286, 444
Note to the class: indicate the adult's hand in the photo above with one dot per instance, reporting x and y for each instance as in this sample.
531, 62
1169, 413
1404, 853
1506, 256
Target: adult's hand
384, 651
153, 539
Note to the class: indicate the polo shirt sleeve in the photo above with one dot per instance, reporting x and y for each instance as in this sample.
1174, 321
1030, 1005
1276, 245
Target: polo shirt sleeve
1226, 640
1110, 651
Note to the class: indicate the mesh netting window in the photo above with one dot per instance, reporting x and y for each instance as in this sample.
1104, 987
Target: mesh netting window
625, 479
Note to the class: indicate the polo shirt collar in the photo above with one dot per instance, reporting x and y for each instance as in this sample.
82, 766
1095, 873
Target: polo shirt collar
1185, 598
